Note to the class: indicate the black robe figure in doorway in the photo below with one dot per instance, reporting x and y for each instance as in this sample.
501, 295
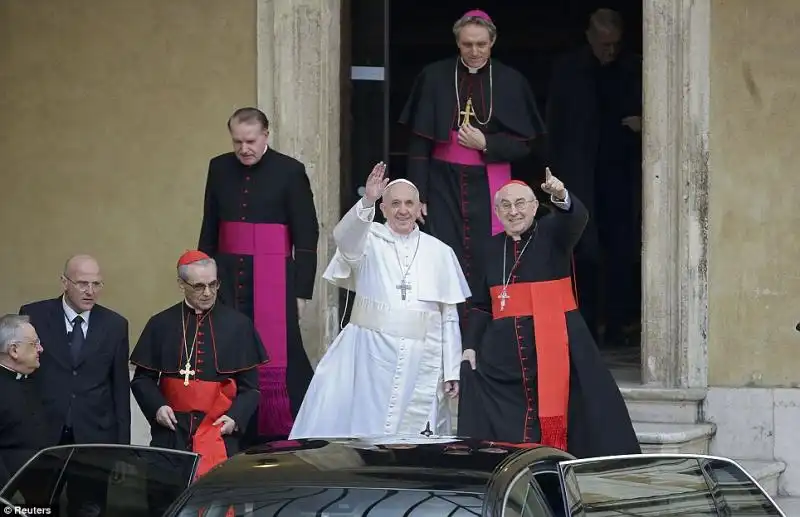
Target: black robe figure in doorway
260, 224
539, 377
591, 148
457, 184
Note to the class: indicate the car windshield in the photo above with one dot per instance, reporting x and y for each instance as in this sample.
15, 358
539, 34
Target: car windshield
311, 501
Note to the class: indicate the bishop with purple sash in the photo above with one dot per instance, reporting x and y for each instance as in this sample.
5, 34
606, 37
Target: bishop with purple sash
260, 225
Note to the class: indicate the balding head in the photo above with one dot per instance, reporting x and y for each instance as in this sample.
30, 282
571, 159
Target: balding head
82, 282
604, 34
515, 206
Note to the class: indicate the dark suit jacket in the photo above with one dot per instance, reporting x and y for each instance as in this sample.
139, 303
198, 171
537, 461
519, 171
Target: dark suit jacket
98, 386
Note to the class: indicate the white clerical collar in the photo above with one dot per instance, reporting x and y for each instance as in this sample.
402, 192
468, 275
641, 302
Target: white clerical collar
403, 236
71, 313
471, 69
19, 375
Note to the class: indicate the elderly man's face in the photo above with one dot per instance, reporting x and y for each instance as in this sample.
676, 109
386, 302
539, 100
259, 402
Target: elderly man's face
201, 286
249, 141
25, 350
516, 207
605, 44
401, 207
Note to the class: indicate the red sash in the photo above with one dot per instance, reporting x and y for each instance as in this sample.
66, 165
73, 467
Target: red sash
212, 398
547, 302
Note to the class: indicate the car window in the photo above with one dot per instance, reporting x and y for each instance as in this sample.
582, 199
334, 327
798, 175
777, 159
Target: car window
128, 481
341, 502
664, 486
525, 498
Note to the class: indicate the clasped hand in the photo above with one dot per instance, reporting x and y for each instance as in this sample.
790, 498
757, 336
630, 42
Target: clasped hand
471, 137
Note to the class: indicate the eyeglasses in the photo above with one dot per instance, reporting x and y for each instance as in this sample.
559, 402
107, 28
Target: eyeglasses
34, 344
519, 204
84, 286
200, 288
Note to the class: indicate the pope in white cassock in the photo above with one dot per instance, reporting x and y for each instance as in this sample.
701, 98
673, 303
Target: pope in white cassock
393, 367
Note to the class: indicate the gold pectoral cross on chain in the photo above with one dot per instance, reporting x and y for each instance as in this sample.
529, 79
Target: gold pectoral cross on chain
468, 113
186, 372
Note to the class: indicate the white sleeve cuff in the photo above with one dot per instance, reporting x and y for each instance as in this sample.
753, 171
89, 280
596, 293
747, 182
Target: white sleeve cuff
565, 204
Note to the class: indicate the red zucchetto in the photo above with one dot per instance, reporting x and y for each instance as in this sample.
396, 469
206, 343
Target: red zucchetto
191, 257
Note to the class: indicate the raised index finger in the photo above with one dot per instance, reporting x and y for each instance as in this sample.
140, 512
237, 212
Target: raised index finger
547, 174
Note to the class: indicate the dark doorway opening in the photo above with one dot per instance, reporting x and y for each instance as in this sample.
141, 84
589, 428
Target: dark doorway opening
401, 38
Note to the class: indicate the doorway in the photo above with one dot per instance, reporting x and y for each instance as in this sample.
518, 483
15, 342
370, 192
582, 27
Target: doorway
531, 35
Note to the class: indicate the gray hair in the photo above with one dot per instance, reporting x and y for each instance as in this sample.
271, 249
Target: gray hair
10, 324
183, 271
606, 20
474, 20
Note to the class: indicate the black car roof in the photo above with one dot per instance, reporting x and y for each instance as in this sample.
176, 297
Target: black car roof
461, 465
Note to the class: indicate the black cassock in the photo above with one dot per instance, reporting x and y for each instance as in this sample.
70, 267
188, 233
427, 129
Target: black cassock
260, 224
539, 375
226, 346
459, 184
23, 430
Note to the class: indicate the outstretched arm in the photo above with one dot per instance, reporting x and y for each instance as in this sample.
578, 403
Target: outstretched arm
350, 234
570, 216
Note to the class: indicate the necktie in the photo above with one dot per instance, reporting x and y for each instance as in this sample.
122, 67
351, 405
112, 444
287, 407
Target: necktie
77, 338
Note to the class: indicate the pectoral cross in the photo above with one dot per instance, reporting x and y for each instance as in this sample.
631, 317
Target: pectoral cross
186, 372
503, 296
404, 288
468, 112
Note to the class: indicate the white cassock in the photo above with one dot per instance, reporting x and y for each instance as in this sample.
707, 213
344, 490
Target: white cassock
384, 373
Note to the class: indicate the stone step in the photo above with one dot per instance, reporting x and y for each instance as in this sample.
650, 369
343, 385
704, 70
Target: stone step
670, 406
665, 438
789, 505
766, 472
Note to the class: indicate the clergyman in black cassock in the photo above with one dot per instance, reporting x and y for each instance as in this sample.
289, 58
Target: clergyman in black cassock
196, 377
23, 425
260, 224
594, 113
532, 371
469, 117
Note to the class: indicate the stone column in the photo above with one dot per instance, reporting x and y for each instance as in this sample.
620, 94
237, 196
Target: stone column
299, 88
674, 255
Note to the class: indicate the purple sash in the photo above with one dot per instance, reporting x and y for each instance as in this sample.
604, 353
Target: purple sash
498, 173
269, 246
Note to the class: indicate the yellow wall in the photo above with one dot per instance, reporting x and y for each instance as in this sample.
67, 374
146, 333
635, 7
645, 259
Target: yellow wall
109, 112
754, 276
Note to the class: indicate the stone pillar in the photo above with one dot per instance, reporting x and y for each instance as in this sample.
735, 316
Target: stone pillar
299, 88
674, 255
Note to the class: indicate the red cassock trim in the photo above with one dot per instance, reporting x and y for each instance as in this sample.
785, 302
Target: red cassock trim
212, 398
547, 302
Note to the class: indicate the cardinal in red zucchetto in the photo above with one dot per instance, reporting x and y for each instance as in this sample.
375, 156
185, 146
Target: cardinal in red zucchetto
196, 377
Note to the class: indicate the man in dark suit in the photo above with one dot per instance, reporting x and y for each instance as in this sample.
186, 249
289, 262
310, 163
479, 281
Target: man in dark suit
84, 378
